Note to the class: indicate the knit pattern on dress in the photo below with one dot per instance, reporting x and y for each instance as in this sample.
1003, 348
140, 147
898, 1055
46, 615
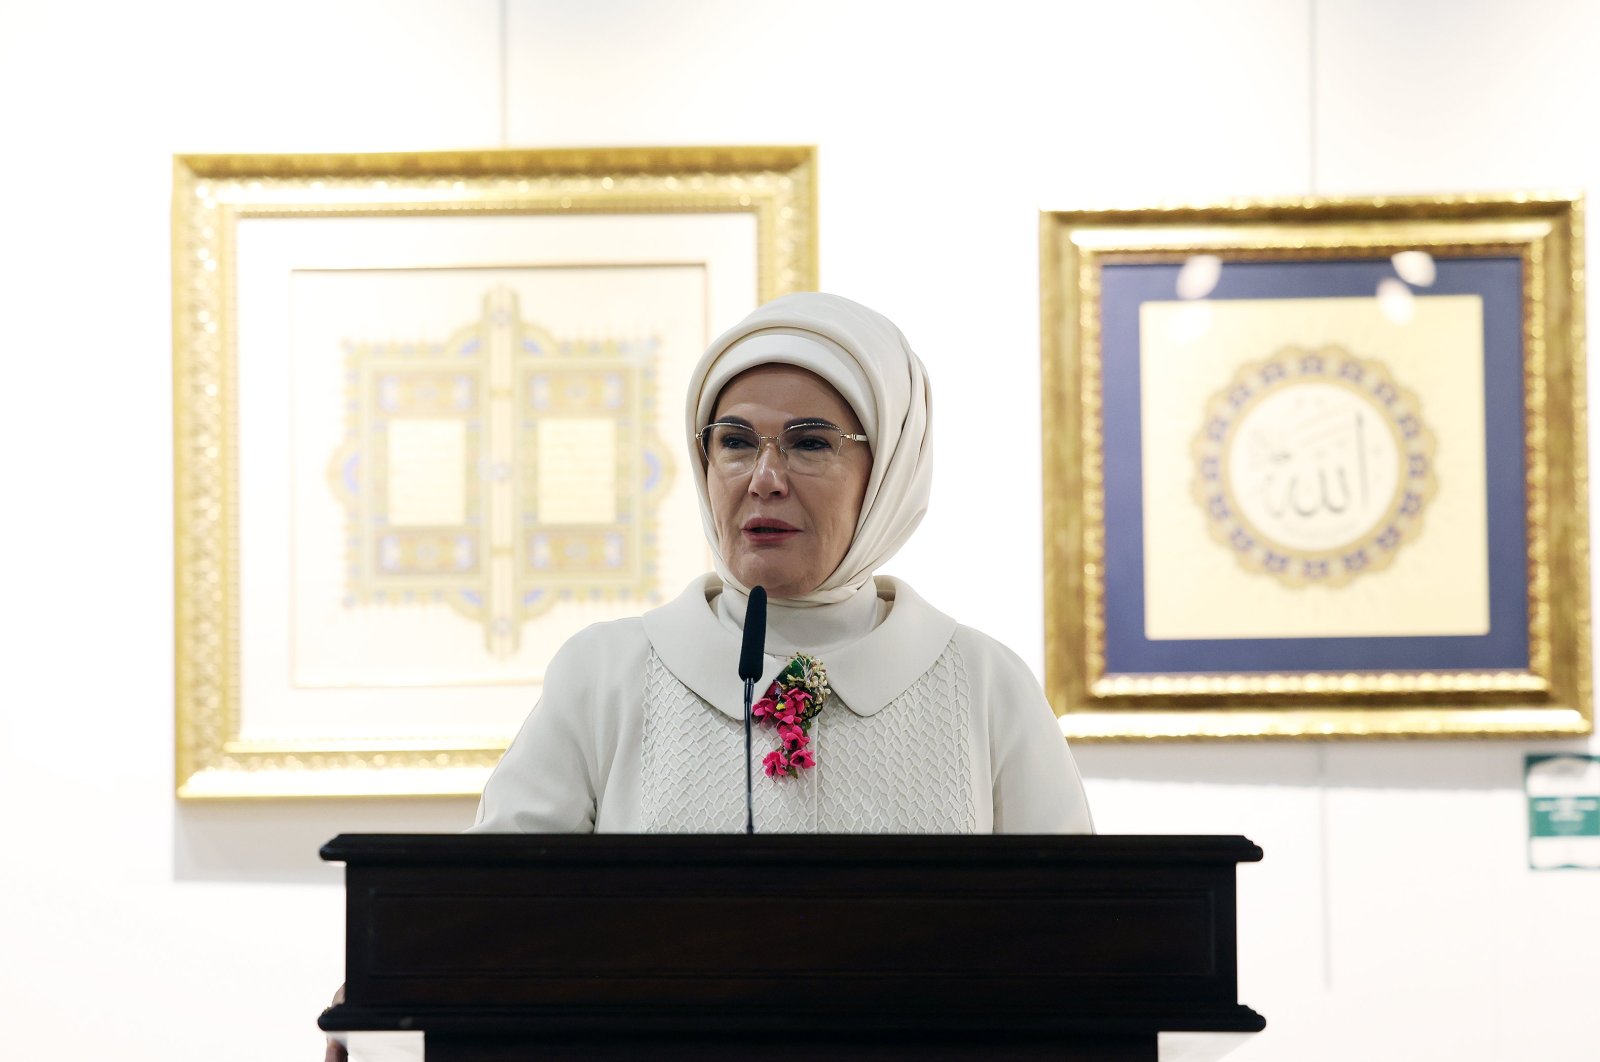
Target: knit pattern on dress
906, 769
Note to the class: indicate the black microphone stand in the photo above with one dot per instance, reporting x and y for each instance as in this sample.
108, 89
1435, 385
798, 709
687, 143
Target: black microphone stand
749, 771
750, 663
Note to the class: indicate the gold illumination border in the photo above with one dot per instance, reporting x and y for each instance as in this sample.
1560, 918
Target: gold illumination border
776, 186
1551, 698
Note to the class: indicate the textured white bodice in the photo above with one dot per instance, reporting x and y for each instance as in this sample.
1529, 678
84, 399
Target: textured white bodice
905, 769
932, 727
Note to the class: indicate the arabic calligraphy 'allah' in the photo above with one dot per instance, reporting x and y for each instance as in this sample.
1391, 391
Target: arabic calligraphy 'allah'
1314, 467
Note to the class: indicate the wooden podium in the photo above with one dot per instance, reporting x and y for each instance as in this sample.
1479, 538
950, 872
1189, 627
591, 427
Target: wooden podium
504, 947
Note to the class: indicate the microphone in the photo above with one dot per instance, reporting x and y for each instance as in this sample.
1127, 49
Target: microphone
750, 663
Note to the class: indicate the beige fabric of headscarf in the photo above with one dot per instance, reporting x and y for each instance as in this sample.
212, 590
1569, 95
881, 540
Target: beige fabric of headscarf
866, 359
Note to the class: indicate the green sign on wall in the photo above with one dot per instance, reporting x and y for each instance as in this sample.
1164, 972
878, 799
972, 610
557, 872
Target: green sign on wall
1563, 811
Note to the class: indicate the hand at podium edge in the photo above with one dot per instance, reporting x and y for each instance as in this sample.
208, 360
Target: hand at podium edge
336, 1051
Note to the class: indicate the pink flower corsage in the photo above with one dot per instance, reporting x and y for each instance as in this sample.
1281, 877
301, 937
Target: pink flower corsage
791, 703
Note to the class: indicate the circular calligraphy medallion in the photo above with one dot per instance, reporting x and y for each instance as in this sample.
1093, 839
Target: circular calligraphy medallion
1314, 467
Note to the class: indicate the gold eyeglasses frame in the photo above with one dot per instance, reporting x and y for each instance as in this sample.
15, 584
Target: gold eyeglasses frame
762, 440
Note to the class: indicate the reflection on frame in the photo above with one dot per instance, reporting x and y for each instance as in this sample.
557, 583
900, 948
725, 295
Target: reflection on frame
1316, 468
427, 427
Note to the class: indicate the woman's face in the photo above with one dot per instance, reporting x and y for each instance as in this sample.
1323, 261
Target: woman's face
777, 530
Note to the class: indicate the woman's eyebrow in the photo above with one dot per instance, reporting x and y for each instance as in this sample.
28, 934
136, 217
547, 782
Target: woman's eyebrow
794, 422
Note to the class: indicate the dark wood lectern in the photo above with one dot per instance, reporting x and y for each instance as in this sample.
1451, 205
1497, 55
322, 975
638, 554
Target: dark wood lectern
787, 947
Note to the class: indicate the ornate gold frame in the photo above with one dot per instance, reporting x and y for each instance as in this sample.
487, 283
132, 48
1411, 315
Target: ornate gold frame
1551, 697
211, 195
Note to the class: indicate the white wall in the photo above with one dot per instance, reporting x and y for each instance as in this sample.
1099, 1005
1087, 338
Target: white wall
1393, 918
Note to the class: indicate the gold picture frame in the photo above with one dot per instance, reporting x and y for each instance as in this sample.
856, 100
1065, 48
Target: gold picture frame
294, 276
1316, 468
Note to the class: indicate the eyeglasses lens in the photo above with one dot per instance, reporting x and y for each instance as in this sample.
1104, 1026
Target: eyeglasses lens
807, 448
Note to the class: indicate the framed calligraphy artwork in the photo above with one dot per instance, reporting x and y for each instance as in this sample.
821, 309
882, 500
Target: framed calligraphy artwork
428, 426
1316, 468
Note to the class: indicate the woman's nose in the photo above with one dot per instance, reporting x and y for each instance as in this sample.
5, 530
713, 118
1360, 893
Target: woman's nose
771, 474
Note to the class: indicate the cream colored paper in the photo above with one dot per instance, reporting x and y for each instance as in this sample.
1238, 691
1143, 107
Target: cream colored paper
1436, 585
313, 666
577, 471
425, 481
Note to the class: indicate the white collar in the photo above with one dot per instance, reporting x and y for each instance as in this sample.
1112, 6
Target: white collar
814, 629
868, 666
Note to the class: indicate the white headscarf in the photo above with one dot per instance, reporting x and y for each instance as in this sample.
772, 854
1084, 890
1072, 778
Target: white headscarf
866, 359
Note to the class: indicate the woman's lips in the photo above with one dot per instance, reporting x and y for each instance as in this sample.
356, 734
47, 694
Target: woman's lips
760, 531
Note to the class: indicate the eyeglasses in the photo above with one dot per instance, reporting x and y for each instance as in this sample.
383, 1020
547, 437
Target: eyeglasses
808, 449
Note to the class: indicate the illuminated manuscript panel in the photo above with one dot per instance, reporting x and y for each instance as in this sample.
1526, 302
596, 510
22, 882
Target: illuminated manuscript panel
1316, 468
429, 425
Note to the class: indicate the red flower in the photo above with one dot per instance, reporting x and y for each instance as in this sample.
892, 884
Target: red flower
791, 702
775, 762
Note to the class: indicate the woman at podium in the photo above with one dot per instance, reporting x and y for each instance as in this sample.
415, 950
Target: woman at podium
808, 430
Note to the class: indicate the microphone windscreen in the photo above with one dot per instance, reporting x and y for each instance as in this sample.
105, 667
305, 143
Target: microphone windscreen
755, 635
